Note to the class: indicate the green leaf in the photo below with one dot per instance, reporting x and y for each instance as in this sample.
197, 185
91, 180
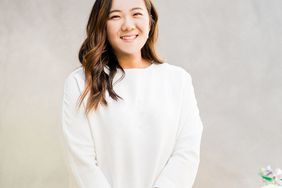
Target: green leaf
267, 178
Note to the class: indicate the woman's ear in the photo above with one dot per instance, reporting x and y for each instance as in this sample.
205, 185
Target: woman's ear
151, 24
151, 20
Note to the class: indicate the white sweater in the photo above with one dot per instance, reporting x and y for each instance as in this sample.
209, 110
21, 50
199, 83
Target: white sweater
149, 139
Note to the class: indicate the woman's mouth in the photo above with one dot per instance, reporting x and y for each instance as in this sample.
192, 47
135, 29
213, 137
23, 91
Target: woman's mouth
128, 38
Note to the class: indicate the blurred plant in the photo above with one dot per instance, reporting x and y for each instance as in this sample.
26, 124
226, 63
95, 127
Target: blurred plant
269, 177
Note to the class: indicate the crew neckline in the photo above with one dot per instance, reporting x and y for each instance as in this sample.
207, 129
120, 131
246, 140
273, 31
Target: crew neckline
139, 69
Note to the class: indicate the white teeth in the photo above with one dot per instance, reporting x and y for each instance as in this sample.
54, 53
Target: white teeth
129, 37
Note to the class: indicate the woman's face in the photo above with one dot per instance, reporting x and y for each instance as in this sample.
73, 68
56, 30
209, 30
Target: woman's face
128, 26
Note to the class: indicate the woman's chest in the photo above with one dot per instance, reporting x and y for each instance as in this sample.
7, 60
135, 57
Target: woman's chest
150, 108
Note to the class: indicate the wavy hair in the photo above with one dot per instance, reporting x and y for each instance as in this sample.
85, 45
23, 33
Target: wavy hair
96, 55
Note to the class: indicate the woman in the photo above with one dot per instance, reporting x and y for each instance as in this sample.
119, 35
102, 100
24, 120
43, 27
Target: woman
129, 120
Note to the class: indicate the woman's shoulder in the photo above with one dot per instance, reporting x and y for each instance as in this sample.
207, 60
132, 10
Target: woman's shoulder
75, 78
177, 71
77, 73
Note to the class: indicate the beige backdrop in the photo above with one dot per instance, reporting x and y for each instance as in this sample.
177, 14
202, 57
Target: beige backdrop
232, 49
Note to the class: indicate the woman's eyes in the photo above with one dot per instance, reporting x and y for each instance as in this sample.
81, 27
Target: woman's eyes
114, 17
119, 16
137, 14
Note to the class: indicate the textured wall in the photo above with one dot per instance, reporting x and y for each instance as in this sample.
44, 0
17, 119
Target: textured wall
232, 49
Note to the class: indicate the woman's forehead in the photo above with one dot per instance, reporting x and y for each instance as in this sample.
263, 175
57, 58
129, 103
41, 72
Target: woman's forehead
127, 5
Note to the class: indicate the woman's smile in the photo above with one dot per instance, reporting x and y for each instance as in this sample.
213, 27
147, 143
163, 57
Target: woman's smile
128, 27
129, 38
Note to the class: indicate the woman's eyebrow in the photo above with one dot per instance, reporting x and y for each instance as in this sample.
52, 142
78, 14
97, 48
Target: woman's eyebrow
135, 8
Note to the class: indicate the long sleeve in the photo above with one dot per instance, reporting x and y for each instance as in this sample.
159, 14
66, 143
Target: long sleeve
78, 140
182, 166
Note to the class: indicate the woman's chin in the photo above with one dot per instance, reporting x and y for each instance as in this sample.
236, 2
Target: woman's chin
129, 52
130, 49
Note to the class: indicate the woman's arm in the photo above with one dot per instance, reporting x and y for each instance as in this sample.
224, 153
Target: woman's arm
78, 141
181, 168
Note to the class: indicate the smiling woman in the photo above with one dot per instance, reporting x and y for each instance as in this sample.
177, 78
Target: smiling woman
128, 29
150, 138
110, 45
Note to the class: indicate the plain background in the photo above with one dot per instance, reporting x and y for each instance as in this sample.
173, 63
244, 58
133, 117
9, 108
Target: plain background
232, 49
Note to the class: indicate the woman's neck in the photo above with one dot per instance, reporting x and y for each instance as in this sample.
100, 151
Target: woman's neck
133, 62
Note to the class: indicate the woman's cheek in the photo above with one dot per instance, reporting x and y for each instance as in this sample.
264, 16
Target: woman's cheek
112, 30
145, 24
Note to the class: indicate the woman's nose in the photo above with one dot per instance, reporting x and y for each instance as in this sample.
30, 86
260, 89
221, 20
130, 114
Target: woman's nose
128, 24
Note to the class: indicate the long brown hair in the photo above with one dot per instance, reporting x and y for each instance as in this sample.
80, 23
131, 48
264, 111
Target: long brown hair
96, 54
